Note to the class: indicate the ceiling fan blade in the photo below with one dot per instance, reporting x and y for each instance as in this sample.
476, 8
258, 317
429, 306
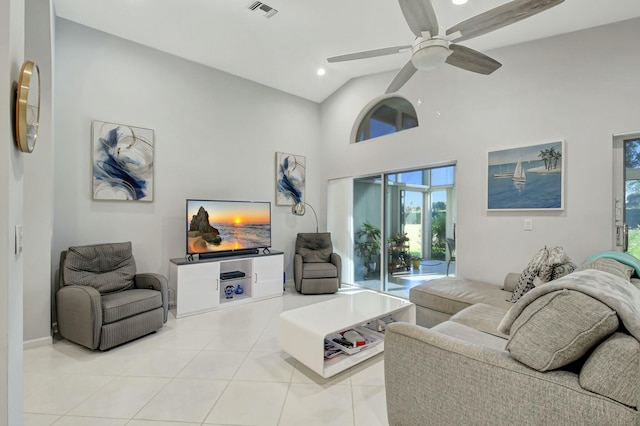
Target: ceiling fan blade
471, 60
402, 77
500, 16
369, 53
420, 16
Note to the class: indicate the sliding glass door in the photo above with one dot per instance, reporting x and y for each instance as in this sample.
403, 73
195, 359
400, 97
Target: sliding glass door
401, 223
367, 225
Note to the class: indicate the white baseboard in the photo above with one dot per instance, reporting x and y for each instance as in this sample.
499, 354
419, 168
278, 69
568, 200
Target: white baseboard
36, 343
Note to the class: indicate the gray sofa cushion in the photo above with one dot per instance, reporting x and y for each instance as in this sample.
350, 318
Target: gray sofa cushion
558, 328
510, 281
482, 317
314, 247
105, 267
319, 270
613, 368
124, 304
608, 265
470, 335
452, 294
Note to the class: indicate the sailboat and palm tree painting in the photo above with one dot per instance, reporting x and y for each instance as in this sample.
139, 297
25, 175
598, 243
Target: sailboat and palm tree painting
519, 174
527, 178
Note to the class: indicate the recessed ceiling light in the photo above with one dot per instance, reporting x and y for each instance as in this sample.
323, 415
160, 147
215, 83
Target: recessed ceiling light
458, 2
321, 71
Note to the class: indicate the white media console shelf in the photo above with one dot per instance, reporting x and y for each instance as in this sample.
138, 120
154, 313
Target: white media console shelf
199, 285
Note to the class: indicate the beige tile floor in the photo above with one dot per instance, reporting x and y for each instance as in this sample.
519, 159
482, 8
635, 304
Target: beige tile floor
218, 368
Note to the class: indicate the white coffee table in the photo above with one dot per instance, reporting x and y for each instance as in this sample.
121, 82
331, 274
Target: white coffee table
302, 331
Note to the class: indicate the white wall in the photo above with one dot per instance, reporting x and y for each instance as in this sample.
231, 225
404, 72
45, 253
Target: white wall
38, 180
216, 136
11, 214
582, 87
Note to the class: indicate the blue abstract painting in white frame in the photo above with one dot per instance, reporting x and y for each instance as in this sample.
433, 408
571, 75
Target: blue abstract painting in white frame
527, 178
123, 159
290, 179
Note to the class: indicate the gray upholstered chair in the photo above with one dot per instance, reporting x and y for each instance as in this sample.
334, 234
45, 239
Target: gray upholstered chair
102, 302
451, 245
316, 268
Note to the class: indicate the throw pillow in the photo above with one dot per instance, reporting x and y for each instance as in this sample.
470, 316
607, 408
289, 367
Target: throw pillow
557, 265
608, 265
510, 281
525, 283
620, 256
558, 328
612, 369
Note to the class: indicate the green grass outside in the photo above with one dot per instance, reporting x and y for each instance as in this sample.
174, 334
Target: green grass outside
414, 232
634, 242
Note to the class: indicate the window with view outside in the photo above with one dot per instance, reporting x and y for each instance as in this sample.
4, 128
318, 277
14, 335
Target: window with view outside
632, 193
388, 116
426, 188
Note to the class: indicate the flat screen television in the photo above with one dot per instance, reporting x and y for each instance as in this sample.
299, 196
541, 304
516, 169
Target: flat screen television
220, 227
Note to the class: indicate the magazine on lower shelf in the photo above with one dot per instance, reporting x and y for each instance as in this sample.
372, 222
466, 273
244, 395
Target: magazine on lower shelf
330, 350
365, 338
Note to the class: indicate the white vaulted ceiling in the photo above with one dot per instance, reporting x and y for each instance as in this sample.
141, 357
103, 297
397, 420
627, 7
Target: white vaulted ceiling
285, 51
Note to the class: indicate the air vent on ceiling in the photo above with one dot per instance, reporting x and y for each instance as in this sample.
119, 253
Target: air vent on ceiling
258, 5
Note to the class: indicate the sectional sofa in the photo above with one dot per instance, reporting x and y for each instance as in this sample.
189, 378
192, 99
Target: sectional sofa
557, 356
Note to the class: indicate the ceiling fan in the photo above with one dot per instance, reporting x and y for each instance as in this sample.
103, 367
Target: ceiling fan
430, 48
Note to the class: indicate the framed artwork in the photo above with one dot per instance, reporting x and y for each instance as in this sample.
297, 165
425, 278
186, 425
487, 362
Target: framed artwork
526, 178
122, 162
290, 178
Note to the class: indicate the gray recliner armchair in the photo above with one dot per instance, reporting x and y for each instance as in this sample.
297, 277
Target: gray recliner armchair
316, 268
102, 302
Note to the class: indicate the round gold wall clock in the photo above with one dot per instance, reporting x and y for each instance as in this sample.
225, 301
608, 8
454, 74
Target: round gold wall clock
28, 106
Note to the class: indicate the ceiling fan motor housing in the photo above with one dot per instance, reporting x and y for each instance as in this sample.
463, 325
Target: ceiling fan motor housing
429, 53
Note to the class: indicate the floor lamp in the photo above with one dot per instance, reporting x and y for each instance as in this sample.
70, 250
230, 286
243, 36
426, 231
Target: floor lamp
299, 209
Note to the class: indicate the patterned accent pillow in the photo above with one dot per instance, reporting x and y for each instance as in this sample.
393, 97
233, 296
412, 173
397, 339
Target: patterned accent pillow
609, 265
558, 265
525, 283
548, 265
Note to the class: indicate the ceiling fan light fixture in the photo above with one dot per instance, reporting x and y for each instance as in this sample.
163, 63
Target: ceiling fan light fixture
429, 54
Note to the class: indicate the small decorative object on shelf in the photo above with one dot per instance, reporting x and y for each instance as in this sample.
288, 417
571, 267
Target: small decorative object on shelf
239, 289
228, 290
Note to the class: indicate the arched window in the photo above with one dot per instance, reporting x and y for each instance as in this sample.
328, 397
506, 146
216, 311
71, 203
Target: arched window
386, 116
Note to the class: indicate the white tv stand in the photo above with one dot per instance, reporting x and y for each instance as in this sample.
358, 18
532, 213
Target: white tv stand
198, 286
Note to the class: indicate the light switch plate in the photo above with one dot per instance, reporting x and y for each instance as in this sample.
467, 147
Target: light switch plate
528, 224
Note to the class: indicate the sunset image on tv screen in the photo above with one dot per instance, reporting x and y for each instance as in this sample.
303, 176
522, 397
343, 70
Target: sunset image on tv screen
227, 225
